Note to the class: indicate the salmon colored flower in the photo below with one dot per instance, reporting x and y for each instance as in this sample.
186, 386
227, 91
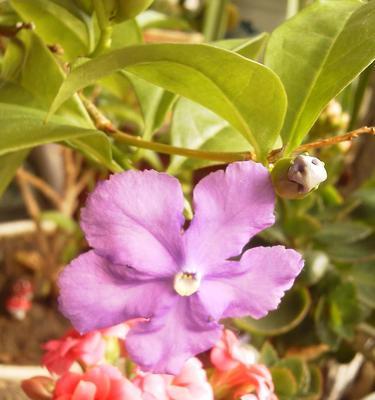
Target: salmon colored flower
143, 265
103, 382
228, 352
88, 349
236, 372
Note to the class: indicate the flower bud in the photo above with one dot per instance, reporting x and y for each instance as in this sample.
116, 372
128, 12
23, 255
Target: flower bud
38, 388
294, 179
121, 10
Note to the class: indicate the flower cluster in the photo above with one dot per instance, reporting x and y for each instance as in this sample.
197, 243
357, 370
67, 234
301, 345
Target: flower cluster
236, 374
143, 264
233, 373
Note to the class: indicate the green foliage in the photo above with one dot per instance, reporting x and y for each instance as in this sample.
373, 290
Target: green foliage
316, 54
289, 314
195, 127
120, 10
208, 79
51, 19
24, 128
8, 167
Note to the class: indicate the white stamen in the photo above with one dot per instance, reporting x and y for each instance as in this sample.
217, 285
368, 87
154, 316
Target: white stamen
186, 283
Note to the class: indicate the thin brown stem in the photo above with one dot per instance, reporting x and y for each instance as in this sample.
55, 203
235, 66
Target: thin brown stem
42, 186
224, 157
104, 124
336, 139
31, 204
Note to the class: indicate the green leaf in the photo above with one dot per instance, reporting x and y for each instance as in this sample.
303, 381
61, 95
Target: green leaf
299, 370
37, 90
292, 310
344, 310
8, 167
24, 128
268, 355
322, 323
316, 54
44, 86
343, 232
56, 25
195, 127
126, 34
220, 80
363, 277
249, 48
154, 19
356, 252
316, 384
284, 381
154, 102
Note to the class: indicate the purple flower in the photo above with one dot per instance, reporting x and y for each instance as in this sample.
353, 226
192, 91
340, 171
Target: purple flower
144, 265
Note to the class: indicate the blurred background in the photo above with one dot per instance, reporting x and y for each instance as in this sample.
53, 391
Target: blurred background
327, 320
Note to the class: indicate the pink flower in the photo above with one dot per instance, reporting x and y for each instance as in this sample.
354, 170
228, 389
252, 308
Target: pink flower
254, 380
228, 353
88, 349
190, 384
99, 383
144, 265
237, 374
38, 387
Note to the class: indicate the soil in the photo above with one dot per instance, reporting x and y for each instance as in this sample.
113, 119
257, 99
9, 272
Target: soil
21, 341
10, 390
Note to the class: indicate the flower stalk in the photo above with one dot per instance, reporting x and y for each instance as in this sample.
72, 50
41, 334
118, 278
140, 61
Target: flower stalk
104, 124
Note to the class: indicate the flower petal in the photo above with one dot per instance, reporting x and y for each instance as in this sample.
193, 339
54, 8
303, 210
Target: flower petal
163, 344
135, 218
96, 294
230, 207
254, 286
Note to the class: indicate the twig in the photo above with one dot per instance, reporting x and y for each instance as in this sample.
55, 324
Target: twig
34, 211
11, 31
38, 183
104, 124
336, 139
30, 202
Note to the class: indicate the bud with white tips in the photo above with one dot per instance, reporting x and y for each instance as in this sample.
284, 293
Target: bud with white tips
294, 179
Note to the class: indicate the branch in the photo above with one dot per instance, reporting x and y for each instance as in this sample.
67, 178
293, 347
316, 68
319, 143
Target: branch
336, 139
103, 123
38, 183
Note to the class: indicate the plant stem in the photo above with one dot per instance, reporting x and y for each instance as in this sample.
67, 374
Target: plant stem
215, 20
336, 139
104, 124
38, 183
136, 141
105, 38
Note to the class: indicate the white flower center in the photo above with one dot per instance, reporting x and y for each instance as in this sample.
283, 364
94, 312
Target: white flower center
186, 283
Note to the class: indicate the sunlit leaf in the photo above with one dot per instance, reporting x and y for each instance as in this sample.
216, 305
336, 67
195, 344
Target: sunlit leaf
56, 25
316, 54
8, 167
220, 80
